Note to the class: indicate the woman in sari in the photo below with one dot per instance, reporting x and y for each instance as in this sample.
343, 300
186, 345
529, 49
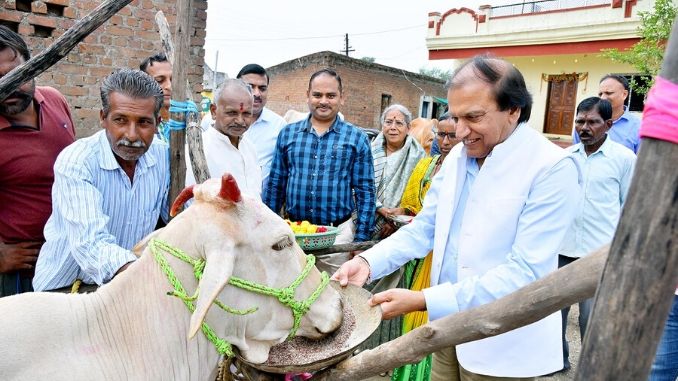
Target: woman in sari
395, 154
417, 273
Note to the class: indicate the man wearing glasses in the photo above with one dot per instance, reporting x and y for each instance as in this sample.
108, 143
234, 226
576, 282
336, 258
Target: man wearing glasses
494, 217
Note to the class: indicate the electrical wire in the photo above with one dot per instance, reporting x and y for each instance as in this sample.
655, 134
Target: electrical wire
315, 37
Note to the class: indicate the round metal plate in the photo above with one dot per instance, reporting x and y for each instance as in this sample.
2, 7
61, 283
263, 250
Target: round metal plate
367, 320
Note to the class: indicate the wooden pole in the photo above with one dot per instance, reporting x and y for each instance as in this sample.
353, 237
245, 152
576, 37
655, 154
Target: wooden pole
562, 288
60, 48
344, 247
193, 130
641, 274
179, 89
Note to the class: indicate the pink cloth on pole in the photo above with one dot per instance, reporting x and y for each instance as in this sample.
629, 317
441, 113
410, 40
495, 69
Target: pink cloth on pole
660, 115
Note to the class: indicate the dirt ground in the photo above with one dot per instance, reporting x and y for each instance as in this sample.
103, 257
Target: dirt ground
575, 350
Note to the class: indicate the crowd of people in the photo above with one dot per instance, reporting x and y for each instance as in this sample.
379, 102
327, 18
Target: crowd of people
493, 204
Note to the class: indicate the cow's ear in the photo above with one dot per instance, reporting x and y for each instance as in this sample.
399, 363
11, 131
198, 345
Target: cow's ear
218, 269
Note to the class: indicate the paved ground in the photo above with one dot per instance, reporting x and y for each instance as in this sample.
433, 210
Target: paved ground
575, 350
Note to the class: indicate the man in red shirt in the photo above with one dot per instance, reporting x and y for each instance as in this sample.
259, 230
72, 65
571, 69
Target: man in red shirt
35, 125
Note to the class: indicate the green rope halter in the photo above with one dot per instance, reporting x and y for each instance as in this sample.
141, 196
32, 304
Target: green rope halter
284, 295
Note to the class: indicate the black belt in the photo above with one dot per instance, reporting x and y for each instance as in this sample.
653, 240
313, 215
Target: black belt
336, 222
340, 220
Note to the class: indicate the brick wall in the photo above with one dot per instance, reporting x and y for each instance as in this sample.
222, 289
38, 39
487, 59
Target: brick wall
364, 83
123, 41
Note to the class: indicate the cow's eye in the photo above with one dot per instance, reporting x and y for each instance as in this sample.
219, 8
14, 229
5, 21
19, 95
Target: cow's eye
283, 244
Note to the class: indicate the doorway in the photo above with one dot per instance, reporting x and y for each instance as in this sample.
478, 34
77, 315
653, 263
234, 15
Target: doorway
560, 104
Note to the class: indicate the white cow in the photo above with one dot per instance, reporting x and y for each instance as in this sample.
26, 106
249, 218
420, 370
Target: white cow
130, 329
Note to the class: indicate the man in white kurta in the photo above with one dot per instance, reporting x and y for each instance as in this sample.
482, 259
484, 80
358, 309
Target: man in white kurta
494, 217
267, 124
226, 148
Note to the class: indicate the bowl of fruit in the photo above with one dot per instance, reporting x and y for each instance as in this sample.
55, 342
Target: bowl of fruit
313, 237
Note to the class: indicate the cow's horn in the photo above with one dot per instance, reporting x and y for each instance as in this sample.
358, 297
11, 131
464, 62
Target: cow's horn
184, 196
229, 188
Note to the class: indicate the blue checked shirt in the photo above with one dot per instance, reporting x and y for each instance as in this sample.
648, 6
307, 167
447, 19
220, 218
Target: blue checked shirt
98, 214
322, 179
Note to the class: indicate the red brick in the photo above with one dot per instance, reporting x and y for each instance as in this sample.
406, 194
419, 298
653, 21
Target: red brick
119, 31
106, 61
91, 48
59, 2
147, 35
71, 68
127, 11
115, 20
147, 24
11, 16
73, 90
100, 71
65, 24
70, 12
26, 30
42, 21
39, 7
105, 39
85, 113
132, 22
59, 79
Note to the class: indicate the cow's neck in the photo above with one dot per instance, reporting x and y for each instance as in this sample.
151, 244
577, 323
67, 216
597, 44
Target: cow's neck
151, 328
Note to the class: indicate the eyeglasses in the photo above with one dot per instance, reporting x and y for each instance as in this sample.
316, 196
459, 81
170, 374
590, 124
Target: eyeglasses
449, 135
398, 123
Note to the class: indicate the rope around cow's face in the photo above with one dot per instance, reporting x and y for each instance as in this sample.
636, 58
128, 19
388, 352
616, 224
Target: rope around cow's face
284, 295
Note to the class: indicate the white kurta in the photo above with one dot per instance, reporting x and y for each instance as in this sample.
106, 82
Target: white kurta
222, 157
517, 212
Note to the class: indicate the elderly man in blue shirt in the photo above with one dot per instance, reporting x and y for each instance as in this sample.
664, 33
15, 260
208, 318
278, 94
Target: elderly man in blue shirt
494, 217
625, 126
322, 170
607, 168
109, 188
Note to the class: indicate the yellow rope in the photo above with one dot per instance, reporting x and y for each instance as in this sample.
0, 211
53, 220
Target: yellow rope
76, 286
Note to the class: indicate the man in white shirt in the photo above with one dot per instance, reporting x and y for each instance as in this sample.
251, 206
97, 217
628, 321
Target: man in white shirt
494, 216
607, 168
267, 124
225, 145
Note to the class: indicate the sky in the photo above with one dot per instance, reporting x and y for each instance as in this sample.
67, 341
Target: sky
269, 32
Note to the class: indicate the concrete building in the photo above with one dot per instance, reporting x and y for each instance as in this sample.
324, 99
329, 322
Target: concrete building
368, 88
123, 41
556, 44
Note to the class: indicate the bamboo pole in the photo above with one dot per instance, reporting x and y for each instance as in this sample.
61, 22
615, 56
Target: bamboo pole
193, 131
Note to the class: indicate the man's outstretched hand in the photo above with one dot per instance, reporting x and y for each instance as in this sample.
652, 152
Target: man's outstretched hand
398, 301
356, 271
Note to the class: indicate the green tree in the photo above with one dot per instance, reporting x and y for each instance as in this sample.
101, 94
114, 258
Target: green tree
436, 72
647, 54
368, 59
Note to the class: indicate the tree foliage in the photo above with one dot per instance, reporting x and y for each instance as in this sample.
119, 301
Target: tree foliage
436, 72
368, 59
647, 54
